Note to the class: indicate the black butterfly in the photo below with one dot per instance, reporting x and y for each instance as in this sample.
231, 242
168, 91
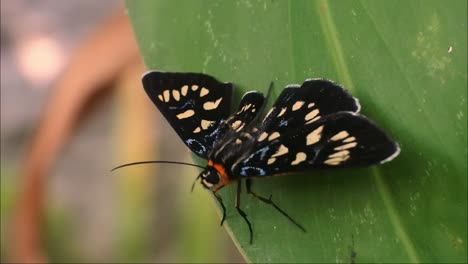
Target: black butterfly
314, 125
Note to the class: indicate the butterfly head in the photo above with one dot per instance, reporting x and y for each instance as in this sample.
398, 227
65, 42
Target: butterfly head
210, 178
214, 177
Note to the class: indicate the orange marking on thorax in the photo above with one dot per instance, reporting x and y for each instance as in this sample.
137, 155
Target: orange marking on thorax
222, 172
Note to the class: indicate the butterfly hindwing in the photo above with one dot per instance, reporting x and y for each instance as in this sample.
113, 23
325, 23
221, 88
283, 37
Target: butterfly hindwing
249, 107
305, 104
194, 105
344, 139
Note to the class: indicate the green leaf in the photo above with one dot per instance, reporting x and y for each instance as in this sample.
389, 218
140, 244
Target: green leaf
404, 60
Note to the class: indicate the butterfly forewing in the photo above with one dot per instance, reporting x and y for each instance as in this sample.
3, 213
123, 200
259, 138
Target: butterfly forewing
249, 108
344, 139
194, 105
301, 105
234, 133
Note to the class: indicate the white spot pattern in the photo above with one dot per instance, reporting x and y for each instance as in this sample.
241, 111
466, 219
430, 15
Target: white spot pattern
283, 110
176, 95
346, 146
342, 154
236, 124
311, 115
166, 96
297, 105
184, 90
339, 136
262, 136
314, 136
185, 114
206, 123
300, 157
281, 151
204, 91
273, 136
212, 105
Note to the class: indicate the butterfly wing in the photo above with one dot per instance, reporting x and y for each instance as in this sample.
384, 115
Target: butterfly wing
194, 105
305, 104
249, 108
344, 139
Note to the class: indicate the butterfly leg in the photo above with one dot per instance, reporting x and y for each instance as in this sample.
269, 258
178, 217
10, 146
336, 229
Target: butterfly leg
248, 183
220, 201
242, 213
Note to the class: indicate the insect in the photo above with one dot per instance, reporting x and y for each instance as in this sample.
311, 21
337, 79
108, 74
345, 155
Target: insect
310, 126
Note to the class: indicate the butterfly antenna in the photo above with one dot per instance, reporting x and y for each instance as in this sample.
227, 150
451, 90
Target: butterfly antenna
270, 90
194, 182
263, 107
158, 162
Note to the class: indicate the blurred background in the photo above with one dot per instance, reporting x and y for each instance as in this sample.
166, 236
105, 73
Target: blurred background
72, 108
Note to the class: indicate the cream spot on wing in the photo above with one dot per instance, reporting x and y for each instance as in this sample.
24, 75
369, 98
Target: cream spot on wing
271, 161
283, 110
313, 120
176, 95
311, 114
194, 87
339, 154
340, 136
350, 139
185, 114
300, 157
347, 146
247, 135
336, 160
241, 127
263, 136
206, 123
184, 90
297, 105
314, 136
198, 129
236, 124
212, 105
166, 95
238, 141
253, 110
247, 107
281, 151
203, 91
161, 97
273, 136
269, 113
310, 105
333, 161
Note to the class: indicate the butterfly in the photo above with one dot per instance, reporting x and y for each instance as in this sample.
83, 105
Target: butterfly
315, 125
